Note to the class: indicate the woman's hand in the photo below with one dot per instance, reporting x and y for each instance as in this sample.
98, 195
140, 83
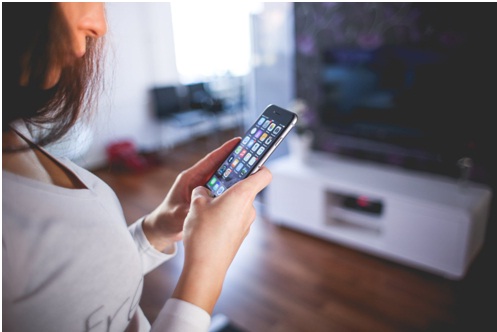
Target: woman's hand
213, 232
164, 226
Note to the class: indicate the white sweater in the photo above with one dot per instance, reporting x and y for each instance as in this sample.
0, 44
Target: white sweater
71, 264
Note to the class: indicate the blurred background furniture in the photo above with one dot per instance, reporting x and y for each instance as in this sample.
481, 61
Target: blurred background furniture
197, 109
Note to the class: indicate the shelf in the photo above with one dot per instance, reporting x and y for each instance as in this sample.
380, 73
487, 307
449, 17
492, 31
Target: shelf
422, 220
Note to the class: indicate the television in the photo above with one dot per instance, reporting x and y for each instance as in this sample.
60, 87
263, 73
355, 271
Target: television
405, 84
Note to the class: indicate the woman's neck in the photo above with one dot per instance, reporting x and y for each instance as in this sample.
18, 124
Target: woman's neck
24, 158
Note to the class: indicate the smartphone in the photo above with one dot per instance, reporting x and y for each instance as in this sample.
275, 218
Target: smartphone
258, 143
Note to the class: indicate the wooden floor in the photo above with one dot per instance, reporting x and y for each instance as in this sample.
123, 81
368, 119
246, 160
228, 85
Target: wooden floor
285, 281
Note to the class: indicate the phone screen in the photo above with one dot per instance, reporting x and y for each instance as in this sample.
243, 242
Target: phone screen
256, 146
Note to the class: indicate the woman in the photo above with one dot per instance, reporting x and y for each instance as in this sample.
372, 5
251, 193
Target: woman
69, 262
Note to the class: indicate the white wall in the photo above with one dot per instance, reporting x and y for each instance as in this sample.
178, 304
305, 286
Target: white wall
140, 55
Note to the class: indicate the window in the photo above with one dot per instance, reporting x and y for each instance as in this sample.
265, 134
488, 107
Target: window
211, 39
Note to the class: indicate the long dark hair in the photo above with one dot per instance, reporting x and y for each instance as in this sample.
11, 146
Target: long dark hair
35, 37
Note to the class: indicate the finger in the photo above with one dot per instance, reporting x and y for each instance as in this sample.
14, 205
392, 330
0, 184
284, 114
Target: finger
200, 192
255, 182
206, 166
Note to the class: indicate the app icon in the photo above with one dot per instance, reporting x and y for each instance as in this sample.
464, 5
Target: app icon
238, 168
255, 147
230, 159
216, 186
266, 124
269, 140
247, 157
258, 133
244, 171
252, 161
263, 137
245, 139
221, 170
250, 143
212, 181
253, 130
235, 162
220, 190
238, 149
227, 173
261, 121
271, 126
277, 130
261, 150
241, 154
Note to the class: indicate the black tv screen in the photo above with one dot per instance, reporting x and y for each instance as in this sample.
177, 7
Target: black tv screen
408, 84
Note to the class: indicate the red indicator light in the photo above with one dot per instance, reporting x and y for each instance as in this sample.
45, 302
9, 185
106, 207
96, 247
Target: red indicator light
362, 201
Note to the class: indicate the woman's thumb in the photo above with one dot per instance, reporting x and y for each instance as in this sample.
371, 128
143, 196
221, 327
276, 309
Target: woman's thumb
201, 192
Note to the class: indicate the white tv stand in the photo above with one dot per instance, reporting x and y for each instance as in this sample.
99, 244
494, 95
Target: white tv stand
425, 221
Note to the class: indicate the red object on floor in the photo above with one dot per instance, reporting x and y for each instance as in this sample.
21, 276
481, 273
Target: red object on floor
124, 154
